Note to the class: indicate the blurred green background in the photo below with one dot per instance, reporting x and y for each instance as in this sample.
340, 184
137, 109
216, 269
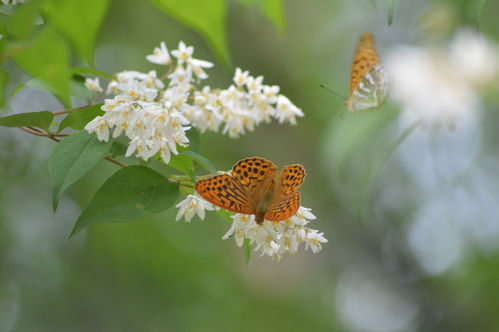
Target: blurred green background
413, 235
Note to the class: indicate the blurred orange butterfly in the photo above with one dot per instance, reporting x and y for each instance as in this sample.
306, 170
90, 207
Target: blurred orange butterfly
368, 79
252, 189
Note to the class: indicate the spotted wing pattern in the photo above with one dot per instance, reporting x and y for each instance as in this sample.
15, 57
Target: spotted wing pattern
256, 175
286, 200
226, 193
290, 179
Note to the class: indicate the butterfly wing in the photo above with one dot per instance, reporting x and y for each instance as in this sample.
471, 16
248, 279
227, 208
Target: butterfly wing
286, 200
290, 179
257, 176
371, 92
283, 208
226, 193
364, 59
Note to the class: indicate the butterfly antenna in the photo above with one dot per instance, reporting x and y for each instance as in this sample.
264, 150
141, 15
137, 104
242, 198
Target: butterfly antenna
270, 234
287, 227
322, 86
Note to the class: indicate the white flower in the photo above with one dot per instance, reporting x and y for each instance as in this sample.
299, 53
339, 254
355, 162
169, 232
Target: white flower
254, 84
287, 111
184, 53
241, 78
180, 78
100, 126
129, 76
160, 55
314, 240
139, 145
197, 68
137, 91
193, 204
93, 85
151, 81
270, 93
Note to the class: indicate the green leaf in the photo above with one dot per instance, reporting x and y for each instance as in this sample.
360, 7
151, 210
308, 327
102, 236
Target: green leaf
274, 10
471, 11
200, 160
47, 59
118, 149
90, 71
3, 43
373, 4
72, 158
7, 10
17, 89
4, 80
78, 119
41, 120
131, 193
194, 139
77, 87
207, 17
78, 21
40, 84
183, 164
24, 20
390, 8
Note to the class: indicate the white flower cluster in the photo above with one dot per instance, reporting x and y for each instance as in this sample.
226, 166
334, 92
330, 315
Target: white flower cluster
277, 238
155, 116
241, 107
271, 238
441, 86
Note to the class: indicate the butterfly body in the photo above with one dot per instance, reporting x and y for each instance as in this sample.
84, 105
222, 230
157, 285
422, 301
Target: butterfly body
368, 80
254, 188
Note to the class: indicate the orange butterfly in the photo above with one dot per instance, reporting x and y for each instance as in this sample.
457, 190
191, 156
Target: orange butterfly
368, 79
254, 188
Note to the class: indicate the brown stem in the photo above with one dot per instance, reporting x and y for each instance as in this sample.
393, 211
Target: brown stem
34, 131
115, 162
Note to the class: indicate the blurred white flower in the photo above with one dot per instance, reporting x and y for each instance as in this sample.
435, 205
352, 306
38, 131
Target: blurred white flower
93, 85
240, 78
160, 55
440, 86
287, 111
184, 53
475, 57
